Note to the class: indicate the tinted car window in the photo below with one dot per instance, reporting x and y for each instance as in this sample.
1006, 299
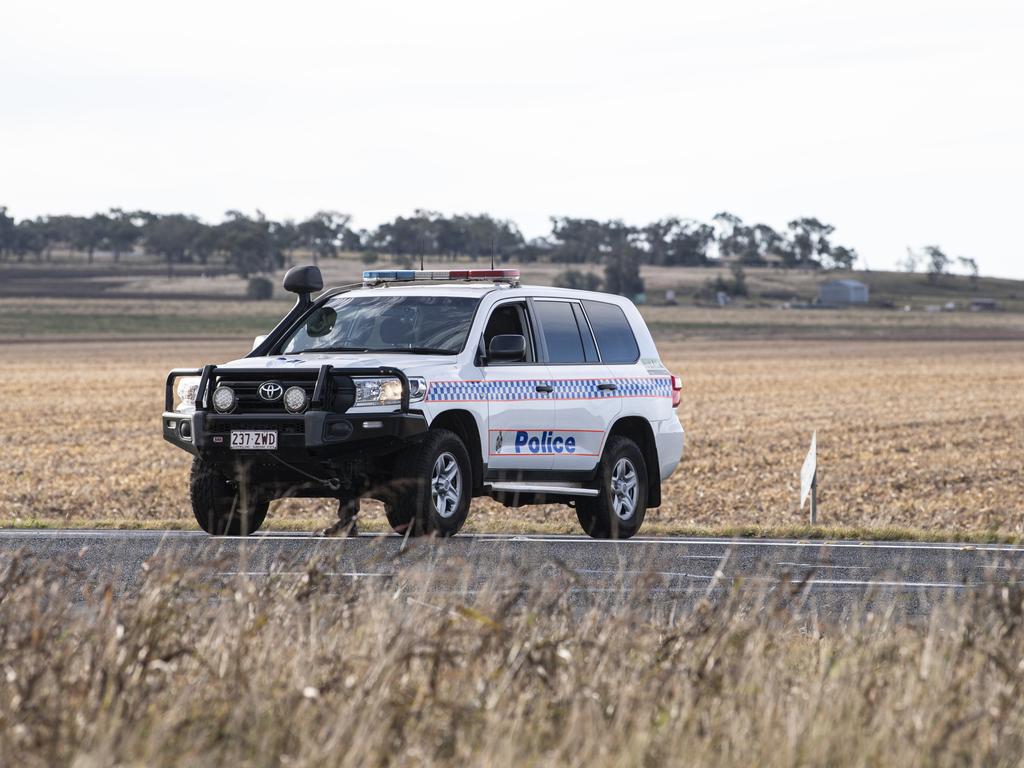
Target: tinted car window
614, 336
558, 324
588, 338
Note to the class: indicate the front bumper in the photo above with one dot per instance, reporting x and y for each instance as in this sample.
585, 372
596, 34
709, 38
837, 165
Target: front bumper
325, 430
314, 433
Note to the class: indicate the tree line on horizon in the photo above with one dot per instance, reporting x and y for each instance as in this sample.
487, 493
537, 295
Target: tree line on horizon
256, 244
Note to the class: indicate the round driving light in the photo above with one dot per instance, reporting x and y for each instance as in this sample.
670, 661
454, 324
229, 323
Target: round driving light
295, 399
224, 399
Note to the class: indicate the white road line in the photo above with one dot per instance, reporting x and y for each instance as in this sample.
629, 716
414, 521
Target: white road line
824, 567
689, 576
910, 584
349, 574
1011, 549
818, 543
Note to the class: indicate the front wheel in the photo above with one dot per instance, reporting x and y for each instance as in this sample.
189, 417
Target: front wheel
617, 512
432, 488
225, 506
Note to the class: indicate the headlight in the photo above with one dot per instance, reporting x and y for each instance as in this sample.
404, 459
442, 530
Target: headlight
186, 390
378, 391
417, 388
224, 399
295, 399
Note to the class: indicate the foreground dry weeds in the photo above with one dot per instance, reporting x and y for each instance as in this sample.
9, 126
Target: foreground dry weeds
280, 672
924, 435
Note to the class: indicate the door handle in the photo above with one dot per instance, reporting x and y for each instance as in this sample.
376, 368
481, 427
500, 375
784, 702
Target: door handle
545, 388
607, 386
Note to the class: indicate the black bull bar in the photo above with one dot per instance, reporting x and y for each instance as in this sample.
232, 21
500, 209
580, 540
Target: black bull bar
324, 377
319, 425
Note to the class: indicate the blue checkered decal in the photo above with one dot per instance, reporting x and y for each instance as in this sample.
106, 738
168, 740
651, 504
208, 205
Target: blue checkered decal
564, 389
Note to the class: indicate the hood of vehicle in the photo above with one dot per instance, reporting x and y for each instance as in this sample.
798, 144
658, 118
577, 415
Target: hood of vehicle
409, 364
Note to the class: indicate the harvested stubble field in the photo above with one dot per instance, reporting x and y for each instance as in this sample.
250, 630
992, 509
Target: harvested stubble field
196, 671
924, 436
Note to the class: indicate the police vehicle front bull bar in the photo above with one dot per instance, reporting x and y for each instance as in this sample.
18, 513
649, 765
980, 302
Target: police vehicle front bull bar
322, 426
325, 374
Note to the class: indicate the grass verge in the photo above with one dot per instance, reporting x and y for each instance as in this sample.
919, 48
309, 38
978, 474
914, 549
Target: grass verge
796, 532
192, 666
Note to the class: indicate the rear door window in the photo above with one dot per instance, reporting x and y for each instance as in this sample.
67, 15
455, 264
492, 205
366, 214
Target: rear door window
614, 337
561, 333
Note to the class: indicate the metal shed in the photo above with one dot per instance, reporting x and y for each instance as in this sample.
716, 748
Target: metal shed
843, 292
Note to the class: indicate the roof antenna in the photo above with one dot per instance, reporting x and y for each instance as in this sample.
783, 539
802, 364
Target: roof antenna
493, 246
421, 259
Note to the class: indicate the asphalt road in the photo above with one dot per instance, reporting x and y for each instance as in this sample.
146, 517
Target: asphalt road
834, 577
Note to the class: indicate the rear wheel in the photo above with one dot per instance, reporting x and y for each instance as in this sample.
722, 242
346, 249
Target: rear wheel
617, 512
225, 506
431, 491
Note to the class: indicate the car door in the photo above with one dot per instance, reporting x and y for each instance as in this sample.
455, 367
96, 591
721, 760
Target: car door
584, 393
636, 391
520, 408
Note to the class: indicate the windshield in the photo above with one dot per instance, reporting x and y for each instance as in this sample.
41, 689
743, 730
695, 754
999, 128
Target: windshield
417, 324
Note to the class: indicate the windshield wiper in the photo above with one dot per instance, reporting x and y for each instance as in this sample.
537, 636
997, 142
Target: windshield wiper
415, 350
330, 349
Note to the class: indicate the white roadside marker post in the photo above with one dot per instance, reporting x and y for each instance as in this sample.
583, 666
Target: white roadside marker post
809, 479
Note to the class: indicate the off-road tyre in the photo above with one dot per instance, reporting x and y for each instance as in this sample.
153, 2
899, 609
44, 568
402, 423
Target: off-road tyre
411, 505
223, 506
597, 514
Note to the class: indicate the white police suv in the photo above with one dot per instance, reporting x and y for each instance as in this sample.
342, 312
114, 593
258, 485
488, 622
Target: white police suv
424, 389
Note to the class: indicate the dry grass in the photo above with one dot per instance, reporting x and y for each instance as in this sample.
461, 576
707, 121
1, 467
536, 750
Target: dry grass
282, 671
915, 436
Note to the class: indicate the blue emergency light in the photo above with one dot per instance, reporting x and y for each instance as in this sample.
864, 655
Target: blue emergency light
378, 276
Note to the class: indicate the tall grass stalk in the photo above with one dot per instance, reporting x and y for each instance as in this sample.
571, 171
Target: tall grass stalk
304, 668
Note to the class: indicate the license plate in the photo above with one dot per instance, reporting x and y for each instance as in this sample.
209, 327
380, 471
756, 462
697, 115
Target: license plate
253, 440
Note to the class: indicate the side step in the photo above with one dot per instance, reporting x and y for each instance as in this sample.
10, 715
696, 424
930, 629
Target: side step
559, 490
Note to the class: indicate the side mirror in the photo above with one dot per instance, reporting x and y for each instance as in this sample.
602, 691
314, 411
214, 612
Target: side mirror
303, 280
507, 348
258, 340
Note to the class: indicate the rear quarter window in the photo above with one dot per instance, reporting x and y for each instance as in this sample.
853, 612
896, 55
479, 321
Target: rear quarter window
614, 335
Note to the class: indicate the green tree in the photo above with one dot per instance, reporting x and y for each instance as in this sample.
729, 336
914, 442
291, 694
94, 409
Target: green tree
736, 241
842, 257
323, 232
7, 229
415, 235
172, 237
622, 266
809, 239
122, 231
578, 280
249, 243
30, 236
937, 262
287, 238
477, 235
675, 242
749, 244
88, 234
577, 241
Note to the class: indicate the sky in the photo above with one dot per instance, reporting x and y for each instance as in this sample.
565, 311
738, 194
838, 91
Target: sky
900, 122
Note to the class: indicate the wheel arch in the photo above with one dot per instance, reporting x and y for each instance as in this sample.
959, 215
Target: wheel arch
638, 429
464, 424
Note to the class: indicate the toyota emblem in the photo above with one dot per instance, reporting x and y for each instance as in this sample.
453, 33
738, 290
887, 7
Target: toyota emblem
270, 391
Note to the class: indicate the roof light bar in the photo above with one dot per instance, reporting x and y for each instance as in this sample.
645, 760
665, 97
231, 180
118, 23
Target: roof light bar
378, 276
